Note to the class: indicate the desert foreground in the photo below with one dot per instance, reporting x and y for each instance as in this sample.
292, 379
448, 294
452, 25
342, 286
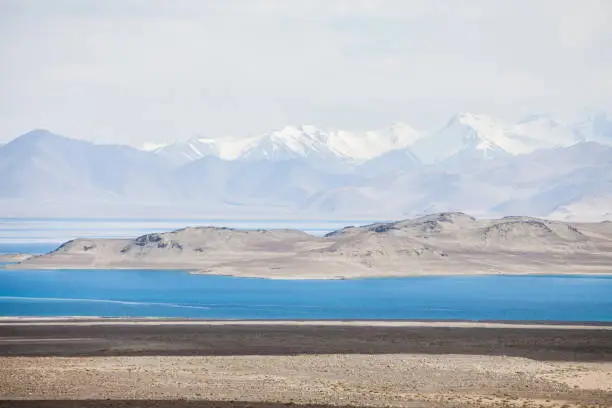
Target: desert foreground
308, 364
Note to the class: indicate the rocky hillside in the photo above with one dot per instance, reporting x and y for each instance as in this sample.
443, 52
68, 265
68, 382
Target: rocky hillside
444, 243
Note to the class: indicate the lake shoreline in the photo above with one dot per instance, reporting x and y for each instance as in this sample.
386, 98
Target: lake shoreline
16, 266
161, 321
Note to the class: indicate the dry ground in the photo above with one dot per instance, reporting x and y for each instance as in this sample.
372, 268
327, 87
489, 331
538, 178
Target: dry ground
191, 366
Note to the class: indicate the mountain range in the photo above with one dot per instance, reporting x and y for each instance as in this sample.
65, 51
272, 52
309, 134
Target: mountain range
475, 163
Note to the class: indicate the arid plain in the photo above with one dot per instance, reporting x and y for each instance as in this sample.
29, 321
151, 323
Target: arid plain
203, 364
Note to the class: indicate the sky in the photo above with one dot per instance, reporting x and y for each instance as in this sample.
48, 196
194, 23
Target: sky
136, 71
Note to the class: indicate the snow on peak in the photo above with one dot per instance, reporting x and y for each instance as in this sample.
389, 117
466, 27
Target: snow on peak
288, 142
477, 132
304, 141
151, 147
362, 146
465, 135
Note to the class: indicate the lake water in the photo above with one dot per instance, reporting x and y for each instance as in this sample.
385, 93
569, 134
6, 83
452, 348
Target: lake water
179, 294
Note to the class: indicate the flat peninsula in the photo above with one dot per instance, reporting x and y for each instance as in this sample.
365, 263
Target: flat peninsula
437, 244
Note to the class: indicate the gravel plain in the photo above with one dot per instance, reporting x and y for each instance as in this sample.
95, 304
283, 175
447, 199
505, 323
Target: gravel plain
187, 366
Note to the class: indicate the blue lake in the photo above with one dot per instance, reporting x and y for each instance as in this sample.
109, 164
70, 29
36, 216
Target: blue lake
179, 294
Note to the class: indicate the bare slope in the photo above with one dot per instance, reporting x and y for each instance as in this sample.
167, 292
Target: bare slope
192, 248
445, 243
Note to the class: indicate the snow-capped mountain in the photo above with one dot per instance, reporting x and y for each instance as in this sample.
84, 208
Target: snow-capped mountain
184, 152
40, 167
477, 164
466, 136
316, 146
544, 132
307, 144
470, 136
367, 145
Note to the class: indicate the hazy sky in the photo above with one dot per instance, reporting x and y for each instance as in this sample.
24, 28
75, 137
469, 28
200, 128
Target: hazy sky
133, 71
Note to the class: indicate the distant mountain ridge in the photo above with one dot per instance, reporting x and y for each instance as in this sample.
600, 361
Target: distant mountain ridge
475, 164
42, 164
466, 135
